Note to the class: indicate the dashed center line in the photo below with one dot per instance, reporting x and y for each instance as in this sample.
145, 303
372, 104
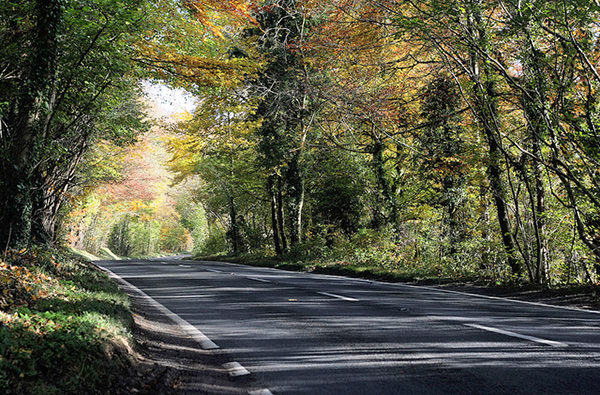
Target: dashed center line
518, 335
185, 266
260, 392
260, 280
338, 296
234, 369
213, 270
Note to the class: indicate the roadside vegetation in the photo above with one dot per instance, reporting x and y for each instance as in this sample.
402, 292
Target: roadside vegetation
65, 328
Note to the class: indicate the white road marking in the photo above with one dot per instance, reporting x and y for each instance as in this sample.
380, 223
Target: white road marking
188, 328
185, 266
338, 296
213, 270
260, 280
518, 335
260, 392
330, 276
234, 369
505, 299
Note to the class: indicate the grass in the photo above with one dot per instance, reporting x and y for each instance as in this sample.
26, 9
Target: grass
64, 326
106, 253
366, 270
86, 256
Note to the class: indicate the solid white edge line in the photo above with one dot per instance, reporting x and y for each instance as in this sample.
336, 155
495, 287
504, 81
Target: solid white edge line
235, 369
260, 392
188, 328
338, 296
518, 335
497, 298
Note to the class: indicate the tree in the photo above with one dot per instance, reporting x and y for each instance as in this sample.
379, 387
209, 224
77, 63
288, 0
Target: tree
217, 145
442, 149
24, 96
70, 81
285, 108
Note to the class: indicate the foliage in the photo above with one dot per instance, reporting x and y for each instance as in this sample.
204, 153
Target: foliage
459, 133
65, 326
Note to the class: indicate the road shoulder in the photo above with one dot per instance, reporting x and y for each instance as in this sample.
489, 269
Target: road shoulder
171, 362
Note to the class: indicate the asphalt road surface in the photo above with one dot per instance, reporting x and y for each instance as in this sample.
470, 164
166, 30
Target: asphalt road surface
300, 333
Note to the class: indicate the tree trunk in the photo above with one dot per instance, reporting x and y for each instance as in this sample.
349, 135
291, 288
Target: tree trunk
234, 231
484, 218
385, 211
281, 215
499, 194
274, 218
534, 101
486, 109
15, 197
295, 200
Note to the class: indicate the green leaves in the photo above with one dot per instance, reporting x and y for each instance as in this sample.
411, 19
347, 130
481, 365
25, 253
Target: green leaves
55, 344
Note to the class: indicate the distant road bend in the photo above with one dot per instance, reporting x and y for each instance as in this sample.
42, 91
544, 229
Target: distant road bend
300, 333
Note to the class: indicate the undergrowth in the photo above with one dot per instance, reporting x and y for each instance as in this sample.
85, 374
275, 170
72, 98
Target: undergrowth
64, 326
375, 255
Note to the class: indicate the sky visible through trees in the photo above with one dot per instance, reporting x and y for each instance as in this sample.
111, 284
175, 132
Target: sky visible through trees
446, 139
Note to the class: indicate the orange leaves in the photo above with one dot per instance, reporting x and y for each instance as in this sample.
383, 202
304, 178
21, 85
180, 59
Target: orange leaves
192, 51
20, 286
201, 71
205, 10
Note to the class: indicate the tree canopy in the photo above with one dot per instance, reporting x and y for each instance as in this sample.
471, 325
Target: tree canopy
451, 137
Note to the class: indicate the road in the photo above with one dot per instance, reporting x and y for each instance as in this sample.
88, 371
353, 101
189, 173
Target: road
300, 333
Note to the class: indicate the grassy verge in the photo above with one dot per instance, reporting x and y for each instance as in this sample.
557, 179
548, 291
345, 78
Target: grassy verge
106, 253
372, 271
64, 326
84, 255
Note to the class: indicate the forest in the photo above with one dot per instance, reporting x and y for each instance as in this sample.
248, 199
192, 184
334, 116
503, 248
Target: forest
454, 139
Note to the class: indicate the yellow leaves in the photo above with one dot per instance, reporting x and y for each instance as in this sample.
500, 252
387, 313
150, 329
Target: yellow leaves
145, 217
182, 116
202, 71
136, 205
220, 126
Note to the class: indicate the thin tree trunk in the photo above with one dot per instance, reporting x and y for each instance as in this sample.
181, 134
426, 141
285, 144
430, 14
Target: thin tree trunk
385, 210
233, 227
484, 218
534, 100
296, 200
281, 215
274, 218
